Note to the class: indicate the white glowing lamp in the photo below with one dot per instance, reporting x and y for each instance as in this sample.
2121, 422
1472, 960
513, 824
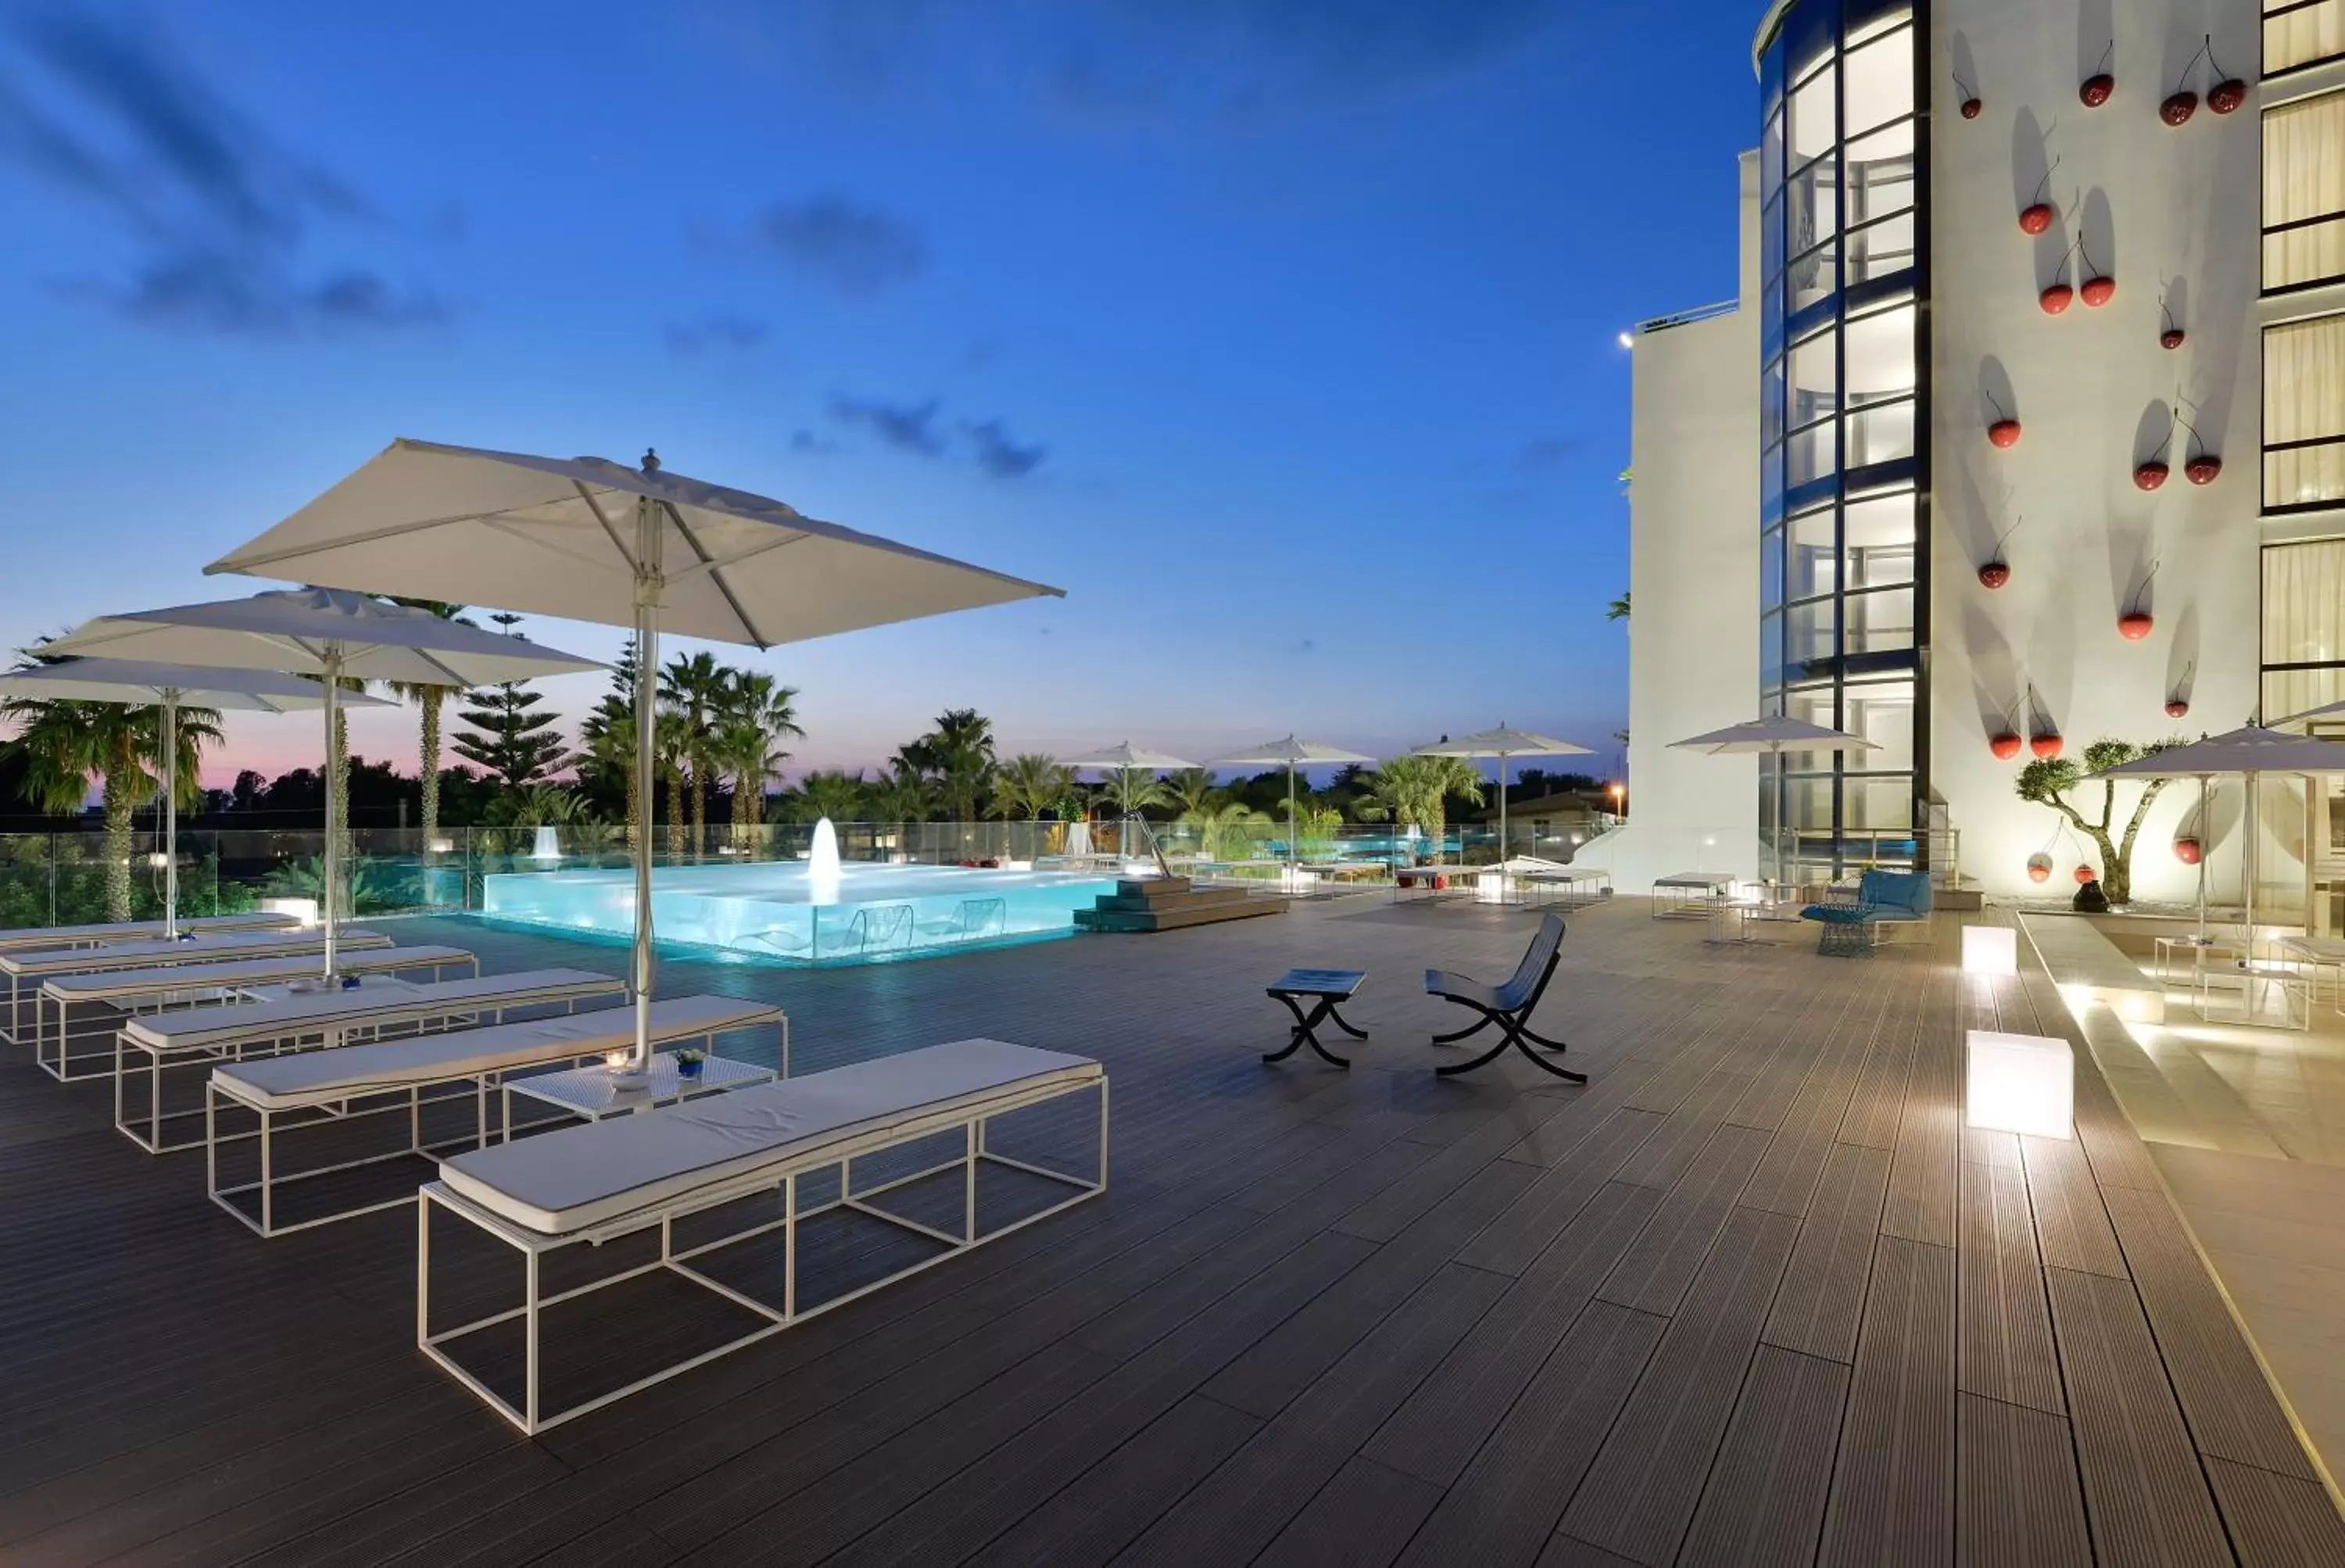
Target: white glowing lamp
304, 910
1490, 888
1297, 881
2020, 1084
1990, 949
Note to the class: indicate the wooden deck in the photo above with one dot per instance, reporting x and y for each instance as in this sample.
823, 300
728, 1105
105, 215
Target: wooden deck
1753, 1296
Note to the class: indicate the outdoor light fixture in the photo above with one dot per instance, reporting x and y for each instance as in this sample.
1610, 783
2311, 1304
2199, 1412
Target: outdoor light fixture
158, 859
1628, 340
304, 910
2020, 1084
1489, 888
1990, 949
442, 846
616, 1061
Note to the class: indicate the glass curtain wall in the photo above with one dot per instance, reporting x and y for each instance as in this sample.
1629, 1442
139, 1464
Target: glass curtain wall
1844, 428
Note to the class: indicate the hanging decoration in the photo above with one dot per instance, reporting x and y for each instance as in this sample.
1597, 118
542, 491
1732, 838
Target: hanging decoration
1973, 105
2005, 433
2202, 467
2178, 702
2005, 742
2226, 95
2137, 623
2182, 102
2039, 868
2036, 217
2188, 851
2044, 734
2059, 295
2152, 473
2101, 85
1996, 572
2173, 337
2099, 287
2189, 839
2087, 874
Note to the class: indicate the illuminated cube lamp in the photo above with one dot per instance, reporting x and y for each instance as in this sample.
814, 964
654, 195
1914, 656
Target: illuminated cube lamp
2020, 1084
1490, 888
304, 910
1990, 949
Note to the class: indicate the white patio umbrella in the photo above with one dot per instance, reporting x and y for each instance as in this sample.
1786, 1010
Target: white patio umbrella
1292, 753
2247, 754
1124, 757
331, 634
135, 683
591, 540
1506, 745
1773, 737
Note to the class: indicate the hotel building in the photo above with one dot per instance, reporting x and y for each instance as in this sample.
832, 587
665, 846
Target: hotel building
2025, 429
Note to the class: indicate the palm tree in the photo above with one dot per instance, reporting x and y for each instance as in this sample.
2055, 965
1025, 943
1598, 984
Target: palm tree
695, 687
610, 740
757, 711
903, 797
957, 756
63, 745
1028, 785
670, 746
1413, 791
1131, 789
1191, 789
838, 795
1619, 609
1227, 822
430, 698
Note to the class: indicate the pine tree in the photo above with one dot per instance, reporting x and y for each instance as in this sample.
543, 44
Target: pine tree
506, 737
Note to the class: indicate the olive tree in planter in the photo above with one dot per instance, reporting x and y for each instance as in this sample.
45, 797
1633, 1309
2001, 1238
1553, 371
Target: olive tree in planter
2050, 780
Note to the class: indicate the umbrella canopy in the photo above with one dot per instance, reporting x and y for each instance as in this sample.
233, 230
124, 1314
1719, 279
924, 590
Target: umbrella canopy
558, 536
1773, 737
332, 635
1506, 745
1293, 752
591, 540
2326, 710
2246, 753
135, 683
1125, 755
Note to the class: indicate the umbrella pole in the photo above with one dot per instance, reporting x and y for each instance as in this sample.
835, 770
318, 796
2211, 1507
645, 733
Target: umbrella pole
2205, 823
1293, 845
1502, 826
170, 815
332, 860
647, 596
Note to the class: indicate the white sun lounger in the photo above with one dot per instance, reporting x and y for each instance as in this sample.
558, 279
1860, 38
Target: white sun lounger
315, 1086
27, 938
320, 1021
194, 985
595, 1184
41, 964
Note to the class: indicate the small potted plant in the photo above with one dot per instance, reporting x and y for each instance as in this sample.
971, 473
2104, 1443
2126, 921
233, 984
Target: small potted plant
688, 1062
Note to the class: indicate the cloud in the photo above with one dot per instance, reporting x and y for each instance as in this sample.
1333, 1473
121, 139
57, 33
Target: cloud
998, 455
907, 427
714, 334
216, 212
858, 251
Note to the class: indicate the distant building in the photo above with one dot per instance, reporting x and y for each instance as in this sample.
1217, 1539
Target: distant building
2042, 399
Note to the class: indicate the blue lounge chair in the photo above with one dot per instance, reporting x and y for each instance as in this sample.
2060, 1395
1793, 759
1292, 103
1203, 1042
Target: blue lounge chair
1883, 899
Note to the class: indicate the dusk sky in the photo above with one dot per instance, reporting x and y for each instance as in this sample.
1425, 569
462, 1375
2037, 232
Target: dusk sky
1280, 333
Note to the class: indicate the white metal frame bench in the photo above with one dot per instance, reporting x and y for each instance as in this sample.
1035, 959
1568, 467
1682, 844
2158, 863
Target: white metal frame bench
24, 939
1690, 892
594, 1185
47, 963
322, 1021
318, 1088
136, 990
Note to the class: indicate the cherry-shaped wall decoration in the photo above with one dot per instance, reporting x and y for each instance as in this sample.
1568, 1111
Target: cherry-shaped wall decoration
2172, 336
2045, 745
2036, 217
2039, 868
2005, 746
2087, 874
2177, 699
2101, 85
2060, 294
1996, 571
2226, 95
2202, 467
2137, 624
1973, 105
2188, 851
2098, 288
2152, 473
2176, 708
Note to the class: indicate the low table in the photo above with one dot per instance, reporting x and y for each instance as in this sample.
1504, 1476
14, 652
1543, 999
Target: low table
1733, 918
592, 1093
1323, 988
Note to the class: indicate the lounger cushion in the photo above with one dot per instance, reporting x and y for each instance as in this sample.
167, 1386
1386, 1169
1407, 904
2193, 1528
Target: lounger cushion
294, 1014
30, 937
369, 960
316, 1077
576, 1177
202, 950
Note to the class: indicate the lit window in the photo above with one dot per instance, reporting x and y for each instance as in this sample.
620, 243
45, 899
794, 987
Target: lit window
1881, 542
1880, 622
1879, 82
2304, 414
2299, 32
1813, 130
2304, 192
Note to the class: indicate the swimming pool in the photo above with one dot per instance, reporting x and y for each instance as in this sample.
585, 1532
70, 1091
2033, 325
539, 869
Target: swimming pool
782, 911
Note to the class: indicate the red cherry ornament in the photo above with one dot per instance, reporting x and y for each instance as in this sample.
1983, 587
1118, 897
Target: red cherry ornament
1994, 574
2097, 89
2038, 219
2005, 433
2039, 868
2176, 707
1973, 107
2150, 475
2203, 470
2056, 298
2189, 851
2135, 624
2099, 292
2171, 338
2178, 109
2045, 746
2005, 746
2226, 96
2087, 874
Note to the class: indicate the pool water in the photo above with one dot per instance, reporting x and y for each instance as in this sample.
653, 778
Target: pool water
780, 910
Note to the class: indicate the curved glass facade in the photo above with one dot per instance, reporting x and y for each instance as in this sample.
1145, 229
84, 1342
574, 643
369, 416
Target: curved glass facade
1844, 425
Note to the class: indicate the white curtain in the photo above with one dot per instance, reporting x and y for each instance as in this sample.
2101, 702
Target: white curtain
2304, 400
2300, 38
2304, 178
2304, 623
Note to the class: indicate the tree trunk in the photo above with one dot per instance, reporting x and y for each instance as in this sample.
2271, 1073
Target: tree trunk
339, 782
433, 698
675, 814
699, 804
120, 802
636, 824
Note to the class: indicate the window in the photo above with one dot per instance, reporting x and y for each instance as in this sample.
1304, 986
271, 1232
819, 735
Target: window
1881, 542
1815, 555
1812, 129
1880, 622
2304, 192
1881, 173
2298, 33
1809, 629
2304, 414
2304, 625
1879, 82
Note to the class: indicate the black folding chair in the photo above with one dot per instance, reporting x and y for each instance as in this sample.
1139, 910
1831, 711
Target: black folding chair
1509, 1006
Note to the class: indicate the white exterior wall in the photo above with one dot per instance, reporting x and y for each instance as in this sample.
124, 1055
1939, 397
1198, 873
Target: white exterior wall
2154, 203
1693, 518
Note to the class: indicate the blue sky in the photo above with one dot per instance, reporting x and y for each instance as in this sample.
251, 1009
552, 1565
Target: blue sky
1280, 334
